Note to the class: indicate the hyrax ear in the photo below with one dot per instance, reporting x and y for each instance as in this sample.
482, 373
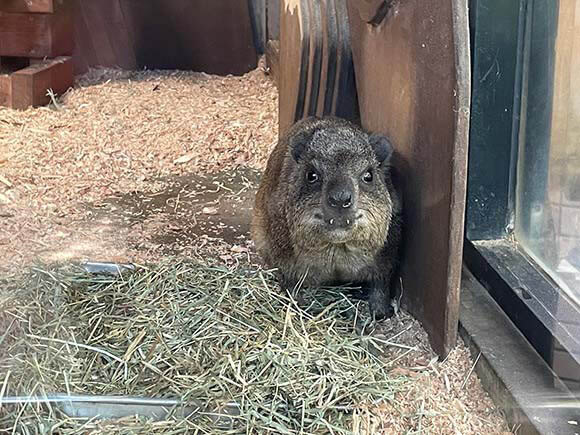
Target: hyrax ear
299, 141
382, 147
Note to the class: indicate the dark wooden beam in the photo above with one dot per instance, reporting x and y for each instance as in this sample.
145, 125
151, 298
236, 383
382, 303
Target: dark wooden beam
29, 86
36, 35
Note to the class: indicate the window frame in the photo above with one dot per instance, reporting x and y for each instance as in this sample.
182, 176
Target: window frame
500, 49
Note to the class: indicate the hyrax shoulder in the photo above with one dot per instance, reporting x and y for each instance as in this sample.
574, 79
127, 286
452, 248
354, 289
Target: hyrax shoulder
326, 210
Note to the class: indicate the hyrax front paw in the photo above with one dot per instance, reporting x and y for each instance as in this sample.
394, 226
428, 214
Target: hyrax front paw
290, 286
379, 305
381, 310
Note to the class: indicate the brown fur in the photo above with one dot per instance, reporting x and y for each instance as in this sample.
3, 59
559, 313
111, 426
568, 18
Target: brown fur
291, 223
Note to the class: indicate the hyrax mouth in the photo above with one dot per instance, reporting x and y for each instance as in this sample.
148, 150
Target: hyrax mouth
336, 223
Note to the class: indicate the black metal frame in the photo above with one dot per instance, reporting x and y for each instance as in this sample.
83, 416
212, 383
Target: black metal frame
511, 42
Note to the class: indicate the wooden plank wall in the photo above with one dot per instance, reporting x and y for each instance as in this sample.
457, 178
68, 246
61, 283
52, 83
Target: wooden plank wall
211, 36
258, 19
273, 19
315, 74
411, 62
35, 35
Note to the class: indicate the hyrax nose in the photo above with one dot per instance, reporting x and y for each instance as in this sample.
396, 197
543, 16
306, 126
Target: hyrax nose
340, 198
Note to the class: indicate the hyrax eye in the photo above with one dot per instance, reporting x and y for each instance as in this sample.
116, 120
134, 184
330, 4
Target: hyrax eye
367, 177
312, 177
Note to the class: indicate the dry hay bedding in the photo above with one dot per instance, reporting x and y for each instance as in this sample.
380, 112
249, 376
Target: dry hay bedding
191, 331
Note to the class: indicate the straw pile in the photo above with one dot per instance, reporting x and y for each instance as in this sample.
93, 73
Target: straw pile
193, 332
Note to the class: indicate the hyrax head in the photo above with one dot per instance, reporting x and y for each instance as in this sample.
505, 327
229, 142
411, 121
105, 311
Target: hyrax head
340, 188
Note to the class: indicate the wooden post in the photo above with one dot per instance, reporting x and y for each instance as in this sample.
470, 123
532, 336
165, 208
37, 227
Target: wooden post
412, 68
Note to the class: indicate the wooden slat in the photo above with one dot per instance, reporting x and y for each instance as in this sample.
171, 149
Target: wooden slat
31, 6
130, 25
315, 31
344, 97
316, 72
294, 51
412, 73
273, 19
36, 35
273, 59
103, 32
258, 19
29, 86
123, 41
84, 54
5, 91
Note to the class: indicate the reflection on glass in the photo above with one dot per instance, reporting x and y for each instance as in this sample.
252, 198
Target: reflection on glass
548, 183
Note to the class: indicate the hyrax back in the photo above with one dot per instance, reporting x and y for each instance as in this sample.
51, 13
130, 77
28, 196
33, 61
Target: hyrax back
326, 210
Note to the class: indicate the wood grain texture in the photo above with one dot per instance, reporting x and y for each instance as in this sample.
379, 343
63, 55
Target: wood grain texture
258, 19
36, 35
316, 75
273, 19
294, 52
32, 6
5, 90
273, 59
412, 74
28, 86
211, 36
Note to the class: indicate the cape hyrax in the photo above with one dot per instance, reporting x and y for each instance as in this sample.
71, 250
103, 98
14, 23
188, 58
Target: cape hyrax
326, 209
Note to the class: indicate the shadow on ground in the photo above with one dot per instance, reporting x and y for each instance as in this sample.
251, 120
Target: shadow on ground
188, 207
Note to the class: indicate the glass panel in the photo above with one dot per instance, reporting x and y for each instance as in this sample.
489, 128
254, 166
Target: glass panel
548, 188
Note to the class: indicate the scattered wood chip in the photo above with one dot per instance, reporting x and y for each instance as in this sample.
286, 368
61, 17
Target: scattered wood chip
5, 181
184, 158
402, 371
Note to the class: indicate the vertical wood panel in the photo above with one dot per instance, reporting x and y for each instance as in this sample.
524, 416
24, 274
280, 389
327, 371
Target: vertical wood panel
130, 26
273, 19
316, 75
123, 50
5, 90
100, 31
126, 39
212, 36
412, 74
258, 18
84, 54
